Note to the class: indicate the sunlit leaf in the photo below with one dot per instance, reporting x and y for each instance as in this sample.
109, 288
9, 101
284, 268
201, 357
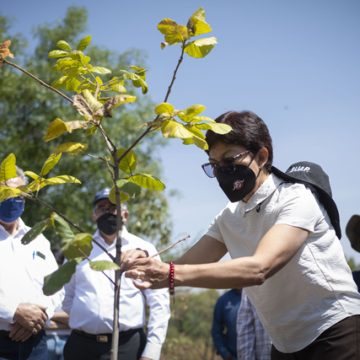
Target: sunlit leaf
171, 128
147, 181
189, 113
56, 280
62, 179
100, 70
79, 246
70, 147
49, 164
55, 54
63, 45
84, 43
32, 175
35, 231
58, 127
128, 162
123, 195
102, 265
131, 189
197, 24
215, 127
201, 47
8, 168
137, 80
173, 32
118, 100
164, 108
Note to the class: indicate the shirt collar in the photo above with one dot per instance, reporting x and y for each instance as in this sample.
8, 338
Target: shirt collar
100, 239
21, 231
266, 189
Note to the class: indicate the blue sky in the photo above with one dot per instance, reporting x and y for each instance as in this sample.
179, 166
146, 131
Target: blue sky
294, 63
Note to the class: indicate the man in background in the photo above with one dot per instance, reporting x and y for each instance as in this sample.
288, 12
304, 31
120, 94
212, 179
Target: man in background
89, 299
24, 309
223, 329
353, 233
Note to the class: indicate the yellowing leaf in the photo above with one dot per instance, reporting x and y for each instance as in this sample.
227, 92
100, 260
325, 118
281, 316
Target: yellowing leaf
118, 100
32, 175
84, 43
7, 192
147, 181
173, 32
190, 113
49, 164
70, 147
61, 179
164, 108
201, 47
171, 128
197, 24
5, 50
8, 168
56, 128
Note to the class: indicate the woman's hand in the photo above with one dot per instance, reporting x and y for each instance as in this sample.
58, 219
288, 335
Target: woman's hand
148, 273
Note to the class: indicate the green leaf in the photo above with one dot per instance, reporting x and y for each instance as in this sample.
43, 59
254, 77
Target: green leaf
137, 80
127, 163
63, 45
55, 54
8, 168
49, 164
197, 24
164, 108
84, 43
35, 231
79, 247
102, 265
58, 127
124, 197
147, 181
61, 227
201, 47
131, 189
56, 280
174, 33
100, 70
70, 147
31, 174
173, 129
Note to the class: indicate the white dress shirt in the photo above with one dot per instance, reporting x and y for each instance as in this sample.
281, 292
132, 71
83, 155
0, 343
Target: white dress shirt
22, 272
89, 299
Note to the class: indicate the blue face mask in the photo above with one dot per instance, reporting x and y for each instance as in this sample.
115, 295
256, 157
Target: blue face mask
11, 209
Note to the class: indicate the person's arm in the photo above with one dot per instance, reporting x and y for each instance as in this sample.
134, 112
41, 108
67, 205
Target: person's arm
275, 249
159, 315
217, 330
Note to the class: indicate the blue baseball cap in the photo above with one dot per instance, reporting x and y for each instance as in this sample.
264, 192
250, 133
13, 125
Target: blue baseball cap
102, 194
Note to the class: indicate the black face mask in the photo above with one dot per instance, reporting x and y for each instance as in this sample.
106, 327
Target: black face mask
107, 223
236, 181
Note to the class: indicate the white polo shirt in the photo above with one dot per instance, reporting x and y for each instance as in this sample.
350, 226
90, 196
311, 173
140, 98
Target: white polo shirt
89, 299
315, 289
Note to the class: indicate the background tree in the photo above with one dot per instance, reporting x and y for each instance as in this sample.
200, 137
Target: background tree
26, 112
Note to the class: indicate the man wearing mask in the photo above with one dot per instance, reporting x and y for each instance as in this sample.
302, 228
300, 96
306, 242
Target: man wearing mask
89, 299
24, 309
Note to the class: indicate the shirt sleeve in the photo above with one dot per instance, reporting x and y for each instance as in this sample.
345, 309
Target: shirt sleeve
7, 311
217, 329
159, 314
299, 208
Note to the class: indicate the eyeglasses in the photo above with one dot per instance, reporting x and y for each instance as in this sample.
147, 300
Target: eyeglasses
225, 164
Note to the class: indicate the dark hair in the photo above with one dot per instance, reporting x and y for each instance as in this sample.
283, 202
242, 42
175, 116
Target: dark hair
248, 130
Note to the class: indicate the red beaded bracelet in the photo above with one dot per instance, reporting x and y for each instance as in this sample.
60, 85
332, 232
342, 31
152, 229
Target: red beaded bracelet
172, 278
